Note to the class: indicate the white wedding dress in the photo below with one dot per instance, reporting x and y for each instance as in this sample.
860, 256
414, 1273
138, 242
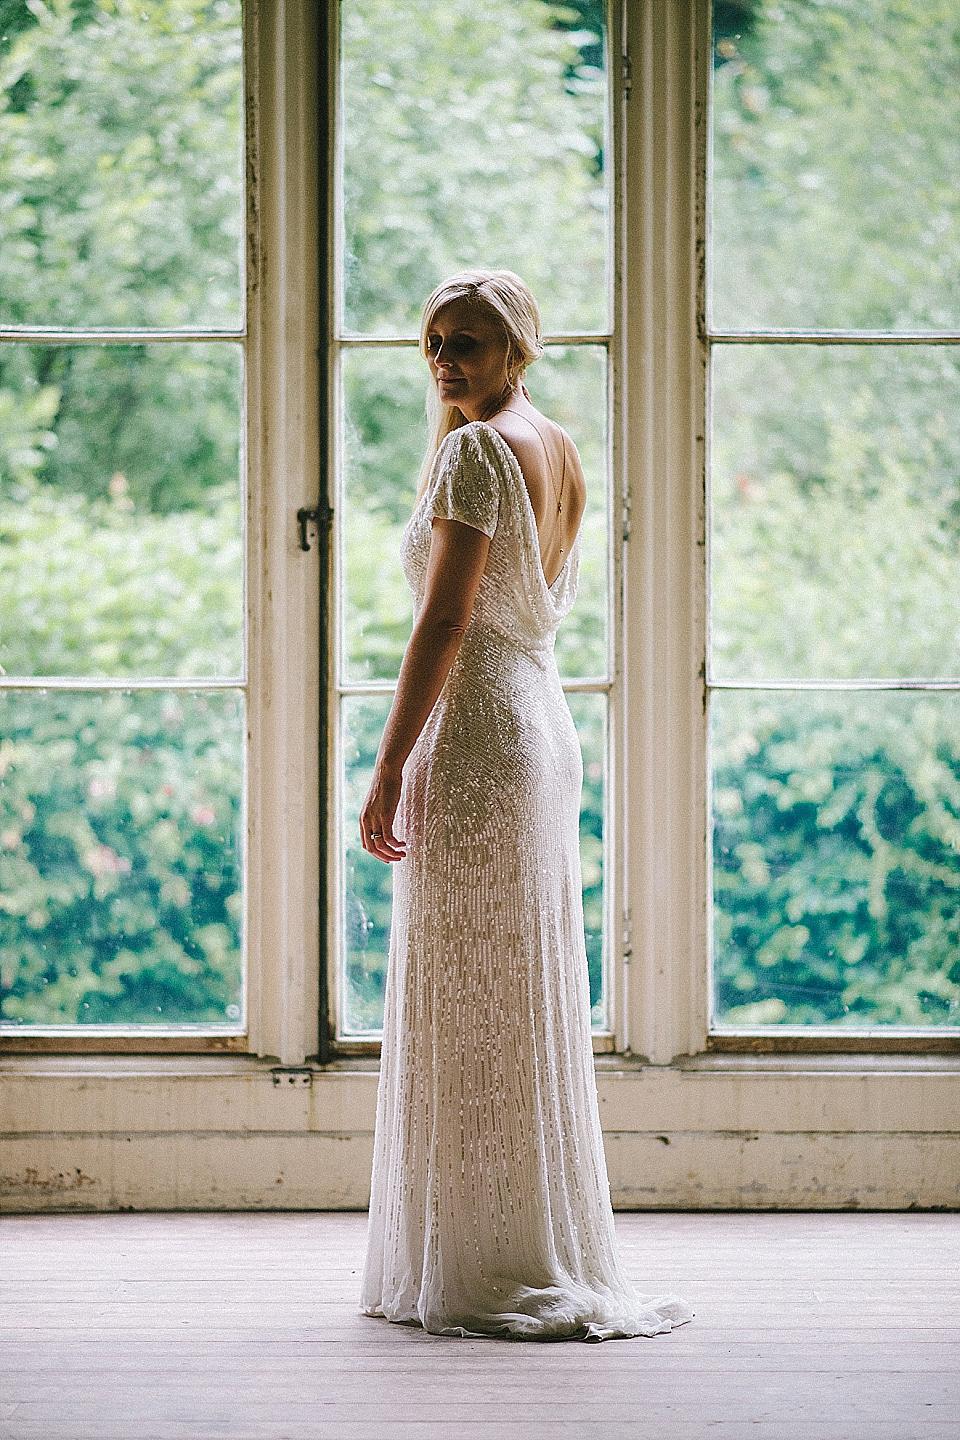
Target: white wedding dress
490, 1206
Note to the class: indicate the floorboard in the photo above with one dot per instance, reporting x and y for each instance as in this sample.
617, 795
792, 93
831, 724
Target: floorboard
245, 1327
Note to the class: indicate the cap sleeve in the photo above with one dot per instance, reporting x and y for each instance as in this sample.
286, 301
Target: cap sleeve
465, 484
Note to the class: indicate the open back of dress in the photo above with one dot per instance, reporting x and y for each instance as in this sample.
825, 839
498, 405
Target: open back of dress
490, 1206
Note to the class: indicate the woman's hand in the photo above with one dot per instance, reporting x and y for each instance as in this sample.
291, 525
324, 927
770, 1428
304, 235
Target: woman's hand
378, 813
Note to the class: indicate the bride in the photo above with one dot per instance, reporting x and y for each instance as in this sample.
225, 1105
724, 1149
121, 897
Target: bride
490, 1206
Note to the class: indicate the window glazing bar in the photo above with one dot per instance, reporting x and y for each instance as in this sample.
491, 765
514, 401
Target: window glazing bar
390, 342
387, 687
89, 682
51, 335
831, 337
867, 683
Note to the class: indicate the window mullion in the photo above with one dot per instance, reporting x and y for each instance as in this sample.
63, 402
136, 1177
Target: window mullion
283, 405
664, 788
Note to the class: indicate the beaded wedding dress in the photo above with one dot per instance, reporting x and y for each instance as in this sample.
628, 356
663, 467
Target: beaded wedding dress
490, 1207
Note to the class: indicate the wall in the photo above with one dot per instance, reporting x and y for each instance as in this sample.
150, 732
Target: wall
221, 1133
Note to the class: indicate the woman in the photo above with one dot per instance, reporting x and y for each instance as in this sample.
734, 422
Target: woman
490, 1207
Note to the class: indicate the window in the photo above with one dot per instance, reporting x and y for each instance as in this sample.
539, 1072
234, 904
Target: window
834, 511
817, 414
121, 520
762, 661
470, 133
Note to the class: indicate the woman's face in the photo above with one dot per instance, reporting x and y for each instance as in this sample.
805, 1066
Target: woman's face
467, 354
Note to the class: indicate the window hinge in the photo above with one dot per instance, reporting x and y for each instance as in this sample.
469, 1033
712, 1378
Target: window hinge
625, 518
626, 75
319, 517
299, 1075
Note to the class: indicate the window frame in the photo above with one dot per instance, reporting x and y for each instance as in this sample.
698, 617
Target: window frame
606, 1040
282, 46
289, 1127
786, 1039
660, 824
658, 791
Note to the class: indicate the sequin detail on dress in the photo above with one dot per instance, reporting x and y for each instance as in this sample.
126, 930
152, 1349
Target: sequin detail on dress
490, 1206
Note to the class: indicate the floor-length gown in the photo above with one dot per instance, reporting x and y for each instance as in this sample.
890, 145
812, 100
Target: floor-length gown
490, 1206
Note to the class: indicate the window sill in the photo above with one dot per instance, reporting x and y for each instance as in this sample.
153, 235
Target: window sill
184, 1066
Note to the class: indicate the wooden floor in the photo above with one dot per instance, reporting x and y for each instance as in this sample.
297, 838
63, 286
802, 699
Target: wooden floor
244, 1326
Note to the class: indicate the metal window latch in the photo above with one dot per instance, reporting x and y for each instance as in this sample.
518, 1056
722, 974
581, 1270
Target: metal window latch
320, 517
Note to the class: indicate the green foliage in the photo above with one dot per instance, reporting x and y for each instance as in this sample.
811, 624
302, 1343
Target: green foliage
166, 418
73, 576
120, 858
120, 525
473, 135
835, 506
121, 164
836, 143
836, 836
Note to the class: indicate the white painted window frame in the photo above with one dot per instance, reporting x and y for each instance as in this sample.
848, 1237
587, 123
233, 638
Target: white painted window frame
285, 415
658, 800
280, 449
662, 427
682, 1127
656, 805
609, 685
283, 407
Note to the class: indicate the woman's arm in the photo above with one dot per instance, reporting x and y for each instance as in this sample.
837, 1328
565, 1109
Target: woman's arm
458, 554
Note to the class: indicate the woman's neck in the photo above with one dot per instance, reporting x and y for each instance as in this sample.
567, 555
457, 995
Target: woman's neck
504, 401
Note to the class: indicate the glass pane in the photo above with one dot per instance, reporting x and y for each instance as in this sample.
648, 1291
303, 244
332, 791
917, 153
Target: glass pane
473, 134
384, 442
835, 522
836, 146
385, 436
367, 883
590, 717
121, 549
570, 385
836, 871
121, 163
120, 864
835, 543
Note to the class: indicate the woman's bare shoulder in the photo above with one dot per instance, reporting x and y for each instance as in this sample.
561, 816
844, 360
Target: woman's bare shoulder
536, 439
527, 434
519, 437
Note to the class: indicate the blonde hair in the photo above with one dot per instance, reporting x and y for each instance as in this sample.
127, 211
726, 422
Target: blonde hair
509, 301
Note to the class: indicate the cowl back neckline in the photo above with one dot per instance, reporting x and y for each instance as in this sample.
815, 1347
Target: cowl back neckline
526, 505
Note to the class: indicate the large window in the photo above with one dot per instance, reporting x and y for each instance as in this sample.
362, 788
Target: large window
469, 134
121, 518
834, 660
762, 668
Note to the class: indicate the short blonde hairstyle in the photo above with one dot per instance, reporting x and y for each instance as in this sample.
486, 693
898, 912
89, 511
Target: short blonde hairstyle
508, 301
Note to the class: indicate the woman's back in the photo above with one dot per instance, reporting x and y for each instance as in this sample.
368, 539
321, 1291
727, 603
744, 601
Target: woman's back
477, 479
553, 475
